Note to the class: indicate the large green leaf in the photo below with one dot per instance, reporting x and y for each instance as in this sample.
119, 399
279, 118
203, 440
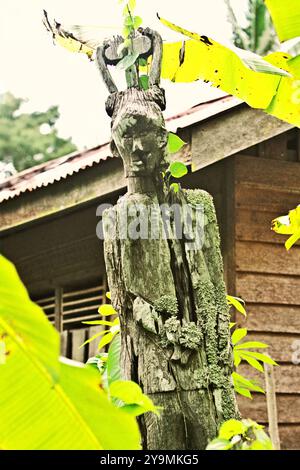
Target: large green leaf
113, 360
175, 143
133, 399
238, 334
222, 68
286, 17
25, 324
285, 104
46, 404
237, 303
288, 225
206, 59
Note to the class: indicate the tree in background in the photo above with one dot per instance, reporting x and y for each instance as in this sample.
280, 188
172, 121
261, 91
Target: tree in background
27, 139
258, 35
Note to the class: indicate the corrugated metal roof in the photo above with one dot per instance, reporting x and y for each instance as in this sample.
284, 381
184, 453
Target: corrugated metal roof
60, 168
52, 171
201, 112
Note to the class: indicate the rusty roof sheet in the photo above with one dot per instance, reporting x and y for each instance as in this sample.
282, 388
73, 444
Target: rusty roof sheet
60, 168
52, 171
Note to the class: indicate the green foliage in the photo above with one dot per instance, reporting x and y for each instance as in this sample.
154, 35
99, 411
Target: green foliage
177, 169
271, 84
132, 398
107, 335
128, 61
242, 352
175, 187
241, 435
238, 334
286, 18
237, 303
130, 24
216, 56
21, 140
259, 35
106, 310
175, 143
61, 403
245, 386
113, 368
108, 363
2, 352
288, 225
114, 325
144, 82
124, 394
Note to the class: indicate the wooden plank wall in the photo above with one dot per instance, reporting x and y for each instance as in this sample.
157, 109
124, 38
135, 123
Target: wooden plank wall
267, 277
71, 340
59, 251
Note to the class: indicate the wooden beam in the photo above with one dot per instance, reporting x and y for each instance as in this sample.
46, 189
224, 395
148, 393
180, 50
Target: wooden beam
232, 132
65, 194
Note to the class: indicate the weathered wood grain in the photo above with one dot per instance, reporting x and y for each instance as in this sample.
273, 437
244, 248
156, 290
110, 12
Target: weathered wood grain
170, 297
256, 409
93, 345
261, 173
267, 258
280, 345
275, 289
63, 343
275, 148
271, 318
253, 225
289, 437
78, 338
266, 200
232, 132
287, 377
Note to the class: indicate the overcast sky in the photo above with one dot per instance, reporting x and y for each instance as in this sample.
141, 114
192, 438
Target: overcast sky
31, 67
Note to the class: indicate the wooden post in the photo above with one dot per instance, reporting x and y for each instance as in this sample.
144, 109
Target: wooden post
58, 309
64, 336
78, 338
272, 405
170, 296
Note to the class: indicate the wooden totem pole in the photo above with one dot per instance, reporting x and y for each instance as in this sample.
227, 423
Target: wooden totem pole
168, 290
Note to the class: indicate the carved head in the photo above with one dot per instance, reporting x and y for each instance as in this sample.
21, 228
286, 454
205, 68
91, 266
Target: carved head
139, 133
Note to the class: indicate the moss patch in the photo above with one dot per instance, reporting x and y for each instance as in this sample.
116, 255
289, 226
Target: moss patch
166, 304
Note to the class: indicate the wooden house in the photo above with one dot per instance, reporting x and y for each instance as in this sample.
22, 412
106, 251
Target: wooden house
248, 161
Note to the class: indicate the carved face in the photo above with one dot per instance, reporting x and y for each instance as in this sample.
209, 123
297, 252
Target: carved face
141, 143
